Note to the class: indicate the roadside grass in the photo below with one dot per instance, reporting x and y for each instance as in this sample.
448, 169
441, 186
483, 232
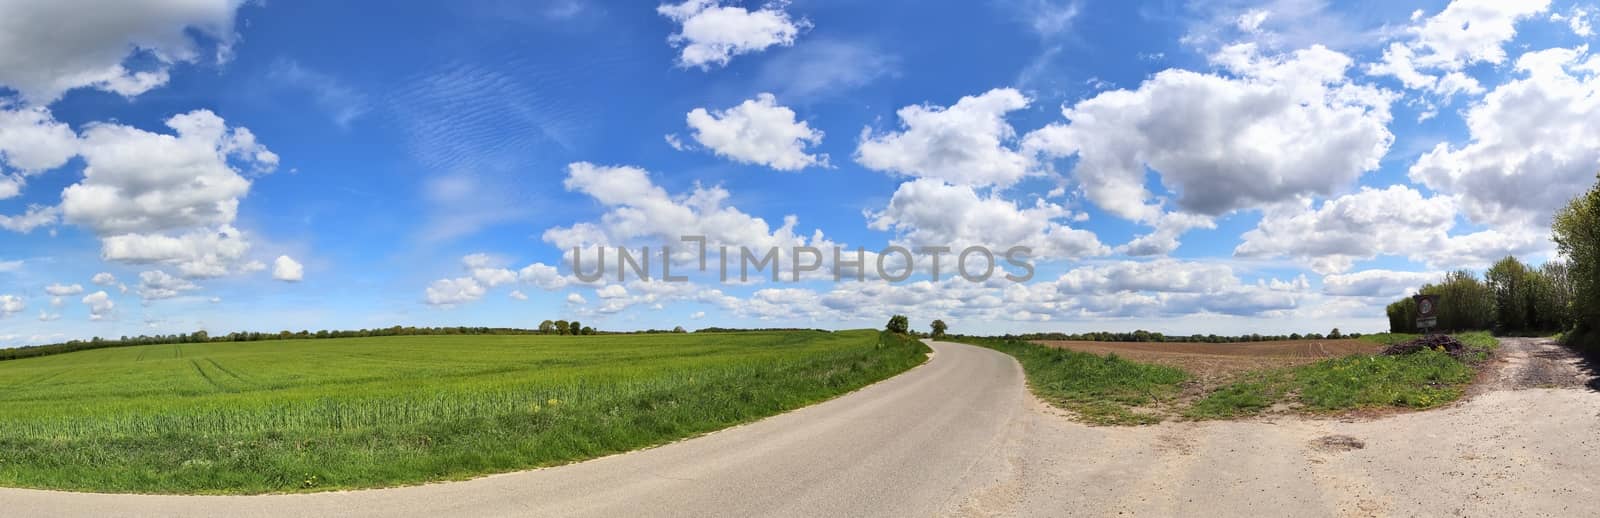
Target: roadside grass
1108, 390
1103, 390
1425, 379
297, 416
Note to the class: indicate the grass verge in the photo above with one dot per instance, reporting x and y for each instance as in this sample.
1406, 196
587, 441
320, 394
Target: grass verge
369, 412
1109, 390
1422, 380
1100, 389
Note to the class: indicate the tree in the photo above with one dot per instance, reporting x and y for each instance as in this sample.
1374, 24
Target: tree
1508, 282
1577, 235
562, 327
679, 330
899, 324
939, 328
1335, 334
547, 327
575, 328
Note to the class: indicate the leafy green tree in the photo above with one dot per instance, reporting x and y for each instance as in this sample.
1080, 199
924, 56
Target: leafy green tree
899, 324
575, 328
1577, 236
1335, 334
1508, 281
562, 328
939, 328
547, 327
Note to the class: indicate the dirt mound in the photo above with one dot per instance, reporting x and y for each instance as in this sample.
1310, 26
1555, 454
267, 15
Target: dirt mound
1437, 342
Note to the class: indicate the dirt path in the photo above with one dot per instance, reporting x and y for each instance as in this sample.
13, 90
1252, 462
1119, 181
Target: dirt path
1525, 363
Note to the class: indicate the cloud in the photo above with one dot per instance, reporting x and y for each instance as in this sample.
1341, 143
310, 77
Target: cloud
103, 279
964, 144
544, 276
1464, 33
758, 131
640, 213
1577, 19
697, 315
157, 285
62, 290
287, 269
1397, 220
168, 199
929, 212
1377, 283
45, 316
576, 299
485, 271
341, 102
47, 48
711, 34
1523, 161
823, 69
100, 305
31, 140
35, 217
449, 293
1280, 127
517, 294
11, 305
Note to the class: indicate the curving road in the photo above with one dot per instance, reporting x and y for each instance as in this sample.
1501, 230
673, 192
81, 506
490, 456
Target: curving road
901, 447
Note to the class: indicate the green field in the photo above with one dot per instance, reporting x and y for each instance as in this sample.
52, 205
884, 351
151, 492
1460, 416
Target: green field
309, 415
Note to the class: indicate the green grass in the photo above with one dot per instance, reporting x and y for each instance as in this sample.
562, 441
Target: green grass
1100, 389
1422, 380
300, 415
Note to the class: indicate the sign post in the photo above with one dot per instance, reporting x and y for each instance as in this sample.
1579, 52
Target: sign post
1427, 312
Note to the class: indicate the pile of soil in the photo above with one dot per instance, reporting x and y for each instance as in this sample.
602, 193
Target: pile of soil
1449, 345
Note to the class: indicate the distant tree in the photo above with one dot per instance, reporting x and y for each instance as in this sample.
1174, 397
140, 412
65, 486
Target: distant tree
547, 327
587, 331
939, 328
1295, 336
678, 329
899, 324
1335, 334
562, 327
574, 328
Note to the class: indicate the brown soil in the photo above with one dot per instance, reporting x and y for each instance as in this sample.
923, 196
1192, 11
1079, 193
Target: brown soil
1210, 362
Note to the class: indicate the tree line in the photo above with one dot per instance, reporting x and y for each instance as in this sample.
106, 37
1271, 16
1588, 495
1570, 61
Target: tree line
204, 337
1513, 298
562, 327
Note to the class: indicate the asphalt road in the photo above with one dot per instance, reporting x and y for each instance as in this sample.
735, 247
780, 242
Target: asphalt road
907, 446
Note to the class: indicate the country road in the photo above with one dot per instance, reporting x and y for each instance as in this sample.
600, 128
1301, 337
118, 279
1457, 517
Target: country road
960, 436
903, 447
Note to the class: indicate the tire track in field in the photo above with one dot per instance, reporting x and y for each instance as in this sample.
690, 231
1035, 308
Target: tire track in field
209, 379
228, 372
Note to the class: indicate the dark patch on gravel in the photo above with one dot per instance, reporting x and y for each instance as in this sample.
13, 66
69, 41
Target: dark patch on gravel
1337, 443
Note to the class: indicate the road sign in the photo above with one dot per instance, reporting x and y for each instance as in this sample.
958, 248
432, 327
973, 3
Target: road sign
1427, 311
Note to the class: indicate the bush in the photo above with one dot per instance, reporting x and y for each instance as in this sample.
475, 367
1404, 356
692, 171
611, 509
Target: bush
899, 324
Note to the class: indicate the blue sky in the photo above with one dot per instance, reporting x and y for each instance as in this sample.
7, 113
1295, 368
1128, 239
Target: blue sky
1187, 167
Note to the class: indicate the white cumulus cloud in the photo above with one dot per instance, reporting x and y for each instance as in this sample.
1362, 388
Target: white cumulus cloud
286, 269
711, 34
758, 131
